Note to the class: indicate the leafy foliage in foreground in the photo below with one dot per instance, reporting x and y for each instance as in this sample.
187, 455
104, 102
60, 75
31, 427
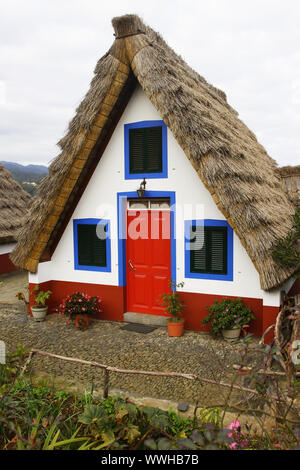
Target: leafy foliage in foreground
286, 252
40, 417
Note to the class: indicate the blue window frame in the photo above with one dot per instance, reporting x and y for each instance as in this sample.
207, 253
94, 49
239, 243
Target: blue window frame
229, 250
106, 245
164, 164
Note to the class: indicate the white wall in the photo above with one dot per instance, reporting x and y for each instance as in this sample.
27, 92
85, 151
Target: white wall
7, 248
108, 179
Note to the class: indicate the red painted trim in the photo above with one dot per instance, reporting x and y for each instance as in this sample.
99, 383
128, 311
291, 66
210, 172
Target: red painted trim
112, 296
196, 310
6, 265
114, 304
269, 318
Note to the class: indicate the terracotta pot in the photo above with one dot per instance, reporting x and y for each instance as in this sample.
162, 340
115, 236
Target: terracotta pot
39, 313
82, 320
232, 334
175, 328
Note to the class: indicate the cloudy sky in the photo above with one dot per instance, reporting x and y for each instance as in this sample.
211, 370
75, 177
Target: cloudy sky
48, 49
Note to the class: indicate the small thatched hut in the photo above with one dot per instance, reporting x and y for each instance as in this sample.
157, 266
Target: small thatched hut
290, 176
148, 115
14, 203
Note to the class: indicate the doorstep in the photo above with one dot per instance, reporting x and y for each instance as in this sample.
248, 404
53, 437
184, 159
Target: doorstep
145, 319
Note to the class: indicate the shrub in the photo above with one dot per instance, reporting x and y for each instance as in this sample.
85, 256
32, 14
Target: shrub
79, 304
226, 314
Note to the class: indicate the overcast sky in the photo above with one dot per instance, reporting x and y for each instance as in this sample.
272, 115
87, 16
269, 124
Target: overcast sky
48, 50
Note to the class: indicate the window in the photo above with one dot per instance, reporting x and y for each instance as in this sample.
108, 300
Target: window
146, 150
209, 250
92, 244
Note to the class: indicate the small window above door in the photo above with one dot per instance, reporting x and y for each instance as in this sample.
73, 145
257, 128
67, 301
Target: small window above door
148, 204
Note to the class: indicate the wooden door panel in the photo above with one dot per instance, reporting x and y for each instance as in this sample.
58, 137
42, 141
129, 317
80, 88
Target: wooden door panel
150, 257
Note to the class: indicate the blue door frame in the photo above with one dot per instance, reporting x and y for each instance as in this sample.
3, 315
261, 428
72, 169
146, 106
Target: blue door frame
122, 229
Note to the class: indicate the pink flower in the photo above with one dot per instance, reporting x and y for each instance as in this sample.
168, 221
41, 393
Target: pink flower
233, 445
234, 425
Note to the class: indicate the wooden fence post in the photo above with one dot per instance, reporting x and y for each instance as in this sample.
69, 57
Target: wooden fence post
106, 383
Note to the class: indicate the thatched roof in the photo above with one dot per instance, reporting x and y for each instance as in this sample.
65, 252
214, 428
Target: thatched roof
230, 162
291, 181
14, 202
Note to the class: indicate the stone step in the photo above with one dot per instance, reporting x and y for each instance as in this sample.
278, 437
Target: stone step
145, 319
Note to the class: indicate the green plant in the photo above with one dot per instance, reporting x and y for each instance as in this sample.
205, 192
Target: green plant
208, 437
23, 296
226, 314
179, 425
286, 252
210, 415
79, 304
40, 296
171, 302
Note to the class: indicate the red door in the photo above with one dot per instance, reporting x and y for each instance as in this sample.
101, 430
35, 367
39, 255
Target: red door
148, 257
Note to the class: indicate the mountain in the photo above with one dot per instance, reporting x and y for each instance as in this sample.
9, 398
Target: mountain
23, 172
29, 176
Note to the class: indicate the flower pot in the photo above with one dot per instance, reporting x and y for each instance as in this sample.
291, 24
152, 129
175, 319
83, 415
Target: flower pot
232, 334
175, 328
81, 320
39, 313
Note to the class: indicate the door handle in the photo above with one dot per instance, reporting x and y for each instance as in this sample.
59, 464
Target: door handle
131, 266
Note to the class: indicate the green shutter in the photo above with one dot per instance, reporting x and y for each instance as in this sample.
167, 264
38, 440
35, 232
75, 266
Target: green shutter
145, 150
210, 250
91, 249
198, 250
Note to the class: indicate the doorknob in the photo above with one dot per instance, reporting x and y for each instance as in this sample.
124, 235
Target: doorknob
131, 266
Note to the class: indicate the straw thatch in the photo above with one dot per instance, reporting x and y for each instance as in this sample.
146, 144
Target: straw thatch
14, 202
290, 176
233, 166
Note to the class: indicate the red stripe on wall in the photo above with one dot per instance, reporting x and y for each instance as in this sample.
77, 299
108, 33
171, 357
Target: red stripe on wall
196, 310
111, 296
269, 318
114, 304
6, 265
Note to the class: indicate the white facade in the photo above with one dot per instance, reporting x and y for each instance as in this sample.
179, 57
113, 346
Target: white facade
6, 248
193, 201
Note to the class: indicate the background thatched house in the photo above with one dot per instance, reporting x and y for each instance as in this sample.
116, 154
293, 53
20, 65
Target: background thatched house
14, 203
148, 115
290, 176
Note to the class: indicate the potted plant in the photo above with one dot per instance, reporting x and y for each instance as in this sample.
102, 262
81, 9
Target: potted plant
39, 309
173, 306
228, 316
24, 298
79, 307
